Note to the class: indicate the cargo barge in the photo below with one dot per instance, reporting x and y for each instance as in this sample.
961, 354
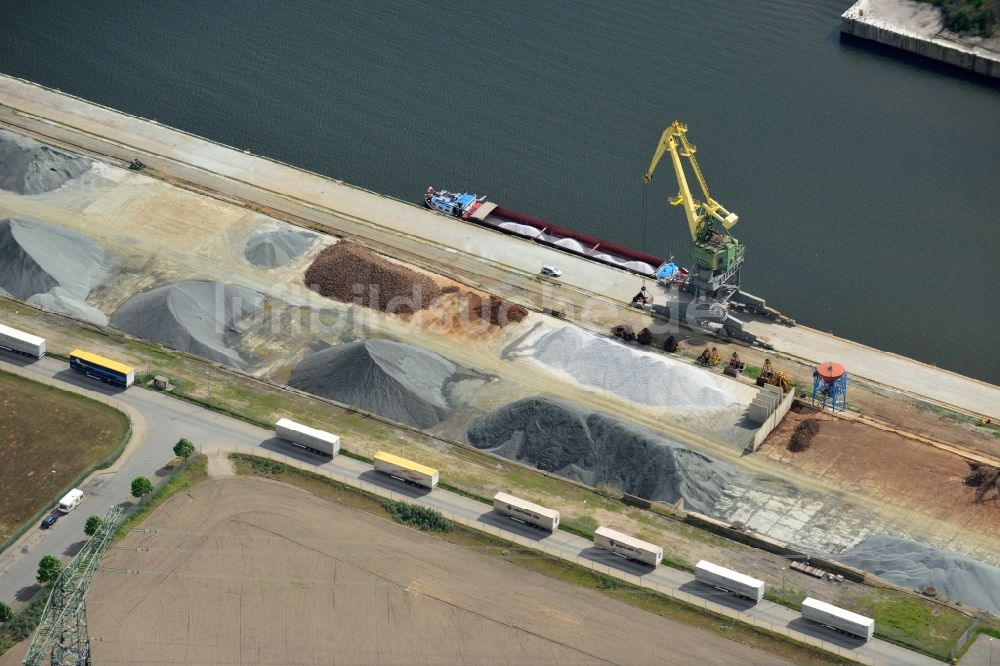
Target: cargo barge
468, 207
675, 280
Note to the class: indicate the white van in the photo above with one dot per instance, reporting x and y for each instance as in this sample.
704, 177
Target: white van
71, 500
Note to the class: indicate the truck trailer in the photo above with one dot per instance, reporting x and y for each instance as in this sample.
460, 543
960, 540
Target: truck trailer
308, 438
628, 547
20, 342
103, 369
526, 512
405, 470
70, 501
838, 618
729, 580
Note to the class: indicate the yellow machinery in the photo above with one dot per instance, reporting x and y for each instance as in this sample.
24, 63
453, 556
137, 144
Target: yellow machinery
710, 357
717, 255
768, 375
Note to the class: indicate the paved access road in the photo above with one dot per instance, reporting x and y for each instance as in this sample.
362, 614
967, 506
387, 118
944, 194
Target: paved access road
166, 419
501, 262
162, 421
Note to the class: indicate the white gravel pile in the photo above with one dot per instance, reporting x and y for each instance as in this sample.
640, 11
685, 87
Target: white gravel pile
915, 565
30, 167
50, 267
639, 376
197, 316
393, 379
640, 266
520, 229
276, 247
574, 245
570, 244
595, 448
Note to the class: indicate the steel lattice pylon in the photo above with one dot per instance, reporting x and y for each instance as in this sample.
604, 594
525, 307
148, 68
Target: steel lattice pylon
62, 632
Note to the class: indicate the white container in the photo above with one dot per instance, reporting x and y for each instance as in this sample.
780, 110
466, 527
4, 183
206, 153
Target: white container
20, 342
312, 439
71, 500
729, 580
838, 618
526, 512
405, 470
628, 547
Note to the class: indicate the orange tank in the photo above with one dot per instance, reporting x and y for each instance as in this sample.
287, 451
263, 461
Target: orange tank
830, 371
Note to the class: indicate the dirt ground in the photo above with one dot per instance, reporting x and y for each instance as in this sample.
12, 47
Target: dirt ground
924, 481
39, 459
252, 571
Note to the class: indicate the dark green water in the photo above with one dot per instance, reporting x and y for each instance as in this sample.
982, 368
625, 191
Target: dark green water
868, 185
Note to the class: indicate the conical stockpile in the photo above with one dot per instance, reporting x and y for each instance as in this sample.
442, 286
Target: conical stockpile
596, 448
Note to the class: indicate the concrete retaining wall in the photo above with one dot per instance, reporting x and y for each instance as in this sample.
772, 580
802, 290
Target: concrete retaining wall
862, 21
771, 422
772, 546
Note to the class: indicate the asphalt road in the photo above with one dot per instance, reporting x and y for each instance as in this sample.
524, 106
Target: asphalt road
165, 420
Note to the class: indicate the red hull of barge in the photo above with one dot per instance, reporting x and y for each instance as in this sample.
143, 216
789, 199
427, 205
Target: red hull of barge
593, 243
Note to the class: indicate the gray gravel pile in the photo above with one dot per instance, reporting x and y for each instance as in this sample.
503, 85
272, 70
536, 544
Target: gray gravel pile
50, 267
276, 247
915, 565
643, 377
395, 380
197, 316
595, 448
30, 167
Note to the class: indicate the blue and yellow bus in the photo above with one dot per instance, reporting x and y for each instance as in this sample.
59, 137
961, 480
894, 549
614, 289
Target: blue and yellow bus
104, 369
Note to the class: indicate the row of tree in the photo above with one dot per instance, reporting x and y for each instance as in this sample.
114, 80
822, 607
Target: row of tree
49, 567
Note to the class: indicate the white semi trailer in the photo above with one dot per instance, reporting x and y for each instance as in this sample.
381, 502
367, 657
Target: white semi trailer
20, 342
628, 547
312, 439
729, 580
405, 470
526, 512
838, 618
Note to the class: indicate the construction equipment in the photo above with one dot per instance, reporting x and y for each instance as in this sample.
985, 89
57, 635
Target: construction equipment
768, 375
735, 365
642, 298
710, 357
717, 255
625, 332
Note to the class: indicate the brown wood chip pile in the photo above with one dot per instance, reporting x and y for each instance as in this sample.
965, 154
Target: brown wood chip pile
497, 310
347, 272
802, 435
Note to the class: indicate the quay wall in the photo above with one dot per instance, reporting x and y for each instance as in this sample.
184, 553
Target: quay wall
864, 20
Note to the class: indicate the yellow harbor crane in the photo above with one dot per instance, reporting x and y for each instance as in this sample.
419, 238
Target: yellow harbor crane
717, 255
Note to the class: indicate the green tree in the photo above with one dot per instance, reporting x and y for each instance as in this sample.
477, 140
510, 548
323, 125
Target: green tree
93, 524
5, 612
183, 448
141, 486
48, 569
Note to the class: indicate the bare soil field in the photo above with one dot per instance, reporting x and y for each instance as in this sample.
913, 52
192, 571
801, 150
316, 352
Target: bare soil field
43, 429
923, 481
252, 571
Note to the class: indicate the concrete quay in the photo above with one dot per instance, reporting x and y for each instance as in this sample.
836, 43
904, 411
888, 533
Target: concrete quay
485, 258
917, 27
